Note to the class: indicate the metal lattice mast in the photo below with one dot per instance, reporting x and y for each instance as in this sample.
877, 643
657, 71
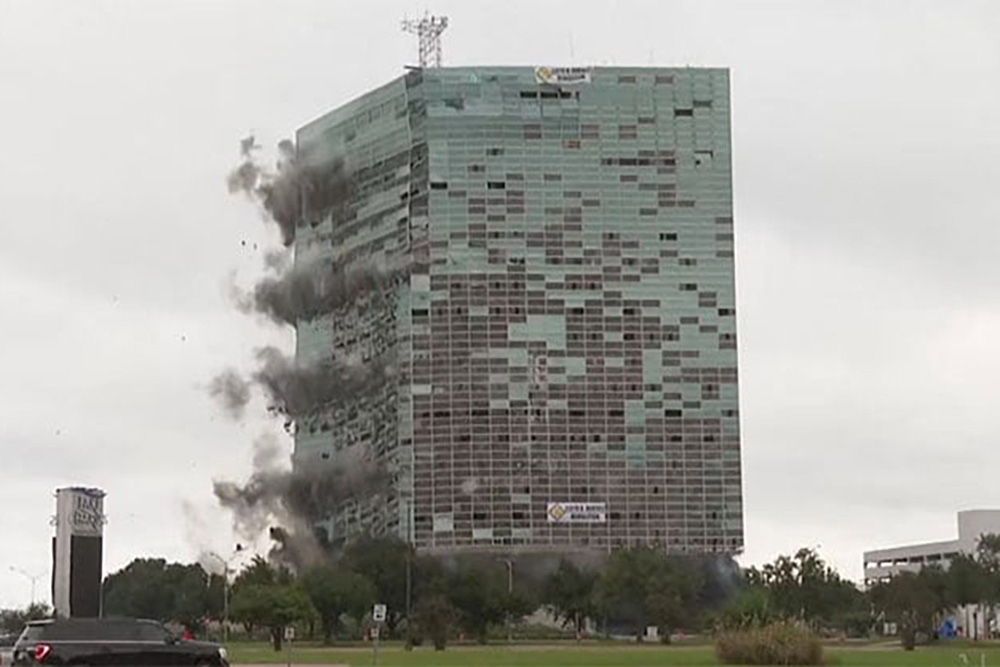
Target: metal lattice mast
428, 31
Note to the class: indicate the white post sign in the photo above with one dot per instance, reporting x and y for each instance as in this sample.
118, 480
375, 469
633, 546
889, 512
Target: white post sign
289, 638
378, 616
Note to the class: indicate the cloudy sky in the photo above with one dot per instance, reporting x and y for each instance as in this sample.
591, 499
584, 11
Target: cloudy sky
867, 210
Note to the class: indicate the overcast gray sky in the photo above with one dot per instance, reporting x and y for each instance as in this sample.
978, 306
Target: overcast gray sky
867, 163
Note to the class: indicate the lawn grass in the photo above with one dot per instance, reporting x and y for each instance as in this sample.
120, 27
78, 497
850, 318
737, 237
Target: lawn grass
607, 655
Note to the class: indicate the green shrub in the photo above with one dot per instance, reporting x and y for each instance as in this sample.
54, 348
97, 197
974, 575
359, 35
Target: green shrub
434, 619
780, 643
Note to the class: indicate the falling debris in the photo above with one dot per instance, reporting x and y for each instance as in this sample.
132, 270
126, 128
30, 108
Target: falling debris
297, 389
231, 391
297, 185
309, 289
283, 503
248, 146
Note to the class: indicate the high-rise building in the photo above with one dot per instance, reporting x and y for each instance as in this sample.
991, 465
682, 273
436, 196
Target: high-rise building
564, 338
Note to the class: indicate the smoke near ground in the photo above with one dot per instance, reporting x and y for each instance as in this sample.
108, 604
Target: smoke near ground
287, 504
231, 392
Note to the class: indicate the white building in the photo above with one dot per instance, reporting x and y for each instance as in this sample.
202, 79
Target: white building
882, 564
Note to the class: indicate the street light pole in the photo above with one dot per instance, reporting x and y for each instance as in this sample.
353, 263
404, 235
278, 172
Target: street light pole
510, 590
225, 605
225, 589
33, 577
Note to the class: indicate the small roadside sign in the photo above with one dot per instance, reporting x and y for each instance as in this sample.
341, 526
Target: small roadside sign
289, 640
378, 613
374, 632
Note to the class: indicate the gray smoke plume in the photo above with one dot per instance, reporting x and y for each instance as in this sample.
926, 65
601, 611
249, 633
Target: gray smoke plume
299, 184
723, 579
296, 389
310, 288
287, 505
277, 261
231, 391
298, 548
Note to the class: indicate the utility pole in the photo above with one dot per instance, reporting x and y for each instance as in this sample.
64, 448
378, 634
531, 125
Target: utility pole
32, 577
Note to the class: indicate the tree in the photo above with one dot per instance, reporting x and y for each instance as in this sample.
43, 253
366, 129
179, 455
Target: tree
845, 607
216, 595
642, 586
140, 590
478, 593
189, 585
12, 621
261, 572
988, 557
383, 561
569, 594
966, 579
911, 601
272, 606
335, 591
247, 606
520, 602
751, 608
673, 597
805, 588
434, 617
152, 588
429, 578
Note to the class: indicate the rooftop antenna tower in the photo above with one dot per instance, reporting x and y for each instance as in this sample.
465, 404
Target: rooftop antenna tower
428, 31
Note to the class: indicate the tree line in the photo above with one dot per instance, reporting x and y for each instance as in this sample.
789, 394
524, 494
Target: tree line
434, 600
427, 598
804, 589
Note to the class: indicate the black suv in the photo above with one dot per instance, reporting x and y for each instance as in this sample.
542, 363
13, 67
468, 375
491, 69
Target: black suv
117, 642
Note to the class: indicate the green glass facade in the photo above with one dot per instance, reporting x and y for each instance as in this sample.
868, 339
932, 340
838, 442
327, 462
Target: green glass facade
567, 329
